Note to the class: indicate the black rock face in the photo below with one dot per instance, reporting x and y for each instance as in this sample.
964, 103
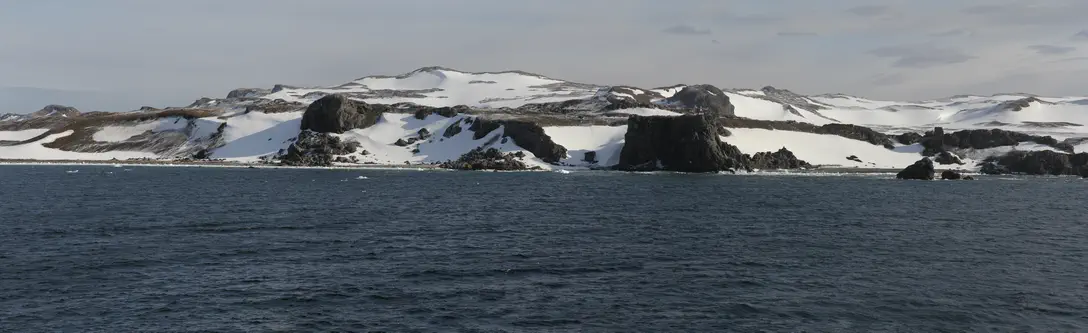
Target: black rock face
446, 111
316, 149
247, 92
1043, 162
938, 141
705, 98
779, 160
527, 135
337, 113
951, 175
590, 156
920, 170
688, 143
489, 159
453, 129
908, 138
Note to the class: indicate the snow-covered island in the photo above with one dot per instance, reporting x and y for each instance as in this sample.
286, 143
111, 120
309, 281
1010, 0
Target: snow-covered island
513, 120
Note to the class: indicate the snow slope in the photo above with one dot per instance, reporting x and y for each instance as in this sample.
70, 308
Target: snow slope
378, 141
250, 136
820, 149
21, 135
606, 141
446, 87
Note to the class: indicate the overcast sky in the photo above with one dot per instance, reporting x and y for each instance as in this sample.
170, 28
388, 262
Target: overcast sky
121, 54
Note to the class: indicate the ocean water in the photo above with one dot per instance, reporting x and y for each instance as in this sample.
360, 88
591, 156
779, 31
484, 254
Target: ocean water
164, 249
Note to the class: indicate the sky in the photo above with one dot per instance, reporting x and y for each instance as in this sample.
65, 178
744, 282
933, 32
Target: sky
116, 55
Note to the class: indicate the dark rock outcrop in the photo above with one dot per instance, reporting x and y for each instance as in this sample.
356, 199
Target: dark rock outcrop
487, 159
854, 158
705, 98
908, 138
446, 111
1020, 104
951, 175
688, 143
1043, 162
590, 156
337, 113
779, 160
316, 149
920, 170
947, 158
937, 141
247, 93
527, 135
453, 129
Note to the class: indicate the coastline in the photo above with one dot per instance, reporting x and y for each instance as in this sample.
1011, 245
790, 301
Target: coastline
209, 164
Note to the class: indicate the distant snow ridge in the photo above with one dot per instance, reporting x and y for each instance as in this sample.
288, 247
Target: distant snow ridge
427, 117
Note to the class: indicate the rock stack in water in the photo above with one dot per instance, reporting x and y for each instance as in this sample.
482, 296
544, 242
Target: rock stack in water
921, 170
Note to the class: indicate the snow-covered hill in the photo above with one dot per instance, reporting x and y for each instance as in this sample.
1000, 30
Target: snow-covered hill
258, 125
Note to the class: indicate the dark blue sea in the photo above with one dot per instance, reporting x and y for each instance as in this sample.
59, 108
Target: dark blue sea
161, 249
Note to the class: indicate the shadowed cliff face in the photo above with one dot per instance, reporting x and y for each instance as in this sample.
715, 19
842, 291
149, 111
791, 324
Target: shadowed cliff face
337, 113
688, 143
527, 135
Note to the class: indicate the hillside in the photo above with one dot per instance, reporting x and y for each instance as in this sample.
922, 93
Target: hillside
434, 115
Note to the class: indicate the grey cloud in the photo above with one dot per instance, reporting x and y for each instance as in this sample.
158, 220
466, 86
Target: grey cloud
1083, 34
869, 10
751, 19
684, 29
893, 79
796, 34
1031, 14
982, 9
1052, 49
1073, 59
953, 33
921, 56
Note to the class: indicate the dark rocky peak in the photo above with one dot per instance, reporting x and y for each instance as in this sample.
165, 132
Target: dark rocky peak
1020, 104
704, 98
687, 143
146, 108
203, 102
54, 110
337, 113
786, 97
248, 93
280, 87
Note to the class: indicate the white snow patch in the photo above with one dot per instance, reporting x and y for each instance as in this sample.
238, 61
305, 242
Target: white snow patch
250, 136
820, 149
22, 134
607, 141
643, 112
